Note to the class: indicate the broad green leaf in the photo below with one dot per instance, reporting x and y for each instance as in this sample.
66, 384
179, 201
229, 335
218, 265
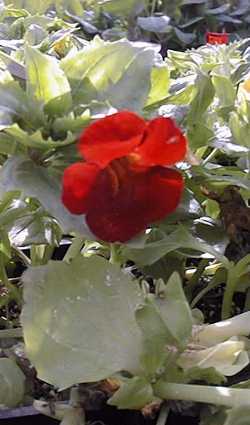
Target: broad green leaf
134, 393
118, 72
78, 321
46, 82
12, 383
40, 183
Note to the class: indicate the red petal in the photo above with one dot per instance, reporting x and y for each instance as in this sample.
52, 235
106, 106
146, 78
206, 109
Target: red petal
78, 180
146, 197
217, 38
111, 137
164, 144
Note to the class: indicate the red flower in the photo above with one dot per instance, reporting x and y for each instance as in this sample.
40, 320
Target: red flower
217, 37
124, 184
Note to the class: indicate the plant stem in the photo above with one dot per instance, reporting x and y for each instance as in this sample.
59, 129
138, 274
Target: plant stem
210, 156
163, 415
74, 249
222, 396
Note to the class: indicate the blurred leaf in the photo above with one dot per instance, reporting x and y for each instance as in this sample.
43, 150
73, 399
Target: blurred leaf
158, 24
88, 297
12, 383
184, 37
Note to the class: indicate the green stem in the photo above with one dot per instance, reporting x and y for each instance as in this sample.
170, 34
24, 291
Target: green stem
210, 156
154, 5
11, 333
217, 279
196, 277
222, 396
114, 254
14, 292
74, 249
163, 415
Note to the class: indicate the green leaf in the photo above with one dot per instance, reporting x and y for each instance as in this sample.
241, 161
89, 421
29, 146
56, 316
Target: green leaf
46, 82
158, 24
134, 393
12, 383
78, 321
238, 416
15, 68
224, 89
175, 310
156, 339
184, 37
160, 80
121, 8
203, 98
40, 183
199, 135
178, 239
166, 326
36, 140
34, 228
117, 72
209, 375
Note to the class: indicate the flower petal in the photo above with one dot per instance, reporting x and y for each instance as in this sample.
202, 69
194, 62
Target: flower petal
78, 180
164, 144
217, 38
111, 137
146, 197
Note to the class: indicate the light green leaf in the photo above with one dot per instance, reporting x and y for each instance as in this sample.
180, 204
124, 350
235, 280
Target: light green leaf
224, 89
40, 183
78, 321
12, 383
118, 72
179, 239
46, 82
36, 140
175, 310
134, 393
160, 80
156, 338
203, 98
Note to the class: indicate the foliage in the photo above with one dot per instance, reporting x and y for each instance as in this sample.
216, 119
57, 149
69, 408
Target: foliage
124, 316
